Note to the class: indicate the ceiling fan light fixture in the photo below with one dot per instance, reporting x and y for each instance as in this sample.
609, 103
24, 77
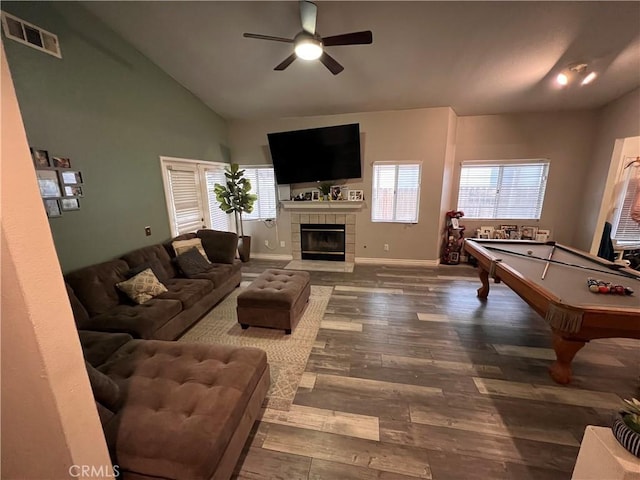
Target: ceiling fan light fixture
308, 49
562, 79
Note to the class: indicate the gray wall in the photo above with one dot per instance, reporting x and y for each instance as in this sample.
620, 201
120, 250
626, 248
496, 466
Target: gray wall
618, 120
113, 112
441, 140
564, 138
405, 135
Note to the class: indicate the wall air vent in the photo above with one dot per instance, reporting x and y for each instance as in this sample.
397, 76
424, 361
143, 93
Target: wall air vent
31, 35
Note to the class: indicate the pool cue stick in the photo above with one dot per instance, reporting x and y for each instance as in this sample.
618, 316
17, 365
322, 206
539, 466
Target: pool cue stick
614, 271
546, 267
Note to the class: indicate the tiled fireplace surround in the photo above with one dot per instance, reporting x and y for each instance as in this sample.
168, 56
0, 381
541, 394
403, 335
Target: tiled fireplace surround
348, 219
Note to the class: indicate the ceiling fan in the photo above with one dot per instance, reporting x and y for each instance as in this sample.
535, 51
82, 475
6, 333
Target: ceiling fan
308, 45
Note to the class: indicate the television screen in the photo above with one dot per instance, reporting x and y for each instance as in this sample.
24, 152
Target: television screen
317, 154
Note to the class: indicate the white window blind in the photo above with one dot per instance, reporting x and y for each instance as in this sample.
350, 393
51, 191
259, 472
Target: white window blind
187, 210
263, 185
626, 231
219, 220
502, 190
395, 192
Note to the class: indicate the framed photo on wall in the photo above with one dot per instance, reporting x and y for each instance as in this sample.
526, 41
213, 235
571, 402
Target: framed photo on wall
61, 162
40, 158
69, 204
73, 191
71, 177
48, 183
52, 207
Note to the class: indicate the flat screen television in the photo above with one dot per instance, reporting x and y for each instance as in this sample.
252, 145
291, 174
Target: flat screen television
316, 154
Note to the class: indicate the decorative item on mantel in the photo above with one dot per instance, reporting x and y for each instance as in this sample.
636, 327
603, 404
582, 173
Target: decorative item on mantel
325, 189
626, 427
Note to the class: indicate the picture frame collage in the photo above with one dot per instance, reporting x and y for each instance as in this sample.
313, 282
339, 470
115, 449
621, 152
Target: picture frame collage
514, 232
61, 186
337, 193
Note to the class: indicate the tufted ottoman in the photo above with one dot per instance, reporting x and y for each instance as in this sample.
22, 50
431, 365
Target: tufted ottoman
276, 299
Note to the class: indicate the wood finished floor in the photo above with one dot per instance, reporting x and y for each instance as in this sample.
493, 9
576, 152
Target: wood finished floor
411, 376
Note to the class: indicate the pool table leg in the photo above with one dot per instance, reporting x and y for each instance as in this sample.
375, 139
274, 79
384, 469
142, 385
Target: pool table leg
560, 370
483, 291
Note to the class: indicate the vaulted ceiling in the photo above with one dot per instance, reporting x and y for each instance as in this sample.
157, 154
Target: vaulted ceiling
477, 57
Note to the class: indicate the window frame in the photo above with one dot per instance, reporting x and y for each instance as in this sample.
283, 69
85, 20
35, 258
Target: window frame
397, 165
501, 164
255, 190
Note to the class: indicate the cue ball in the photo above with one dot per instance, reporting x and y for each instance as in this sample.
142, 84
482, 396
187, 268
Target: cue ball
594, 288
529, 252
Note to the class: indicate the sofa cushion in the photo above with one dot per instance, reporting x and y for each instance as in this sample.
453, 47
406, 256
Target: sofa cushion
80, 314
192, 262
154, 256
95, 286
97, 347
182, 246
143, 287
138, 320
187, 290
221, 247
105, 390
183, 402
219, 273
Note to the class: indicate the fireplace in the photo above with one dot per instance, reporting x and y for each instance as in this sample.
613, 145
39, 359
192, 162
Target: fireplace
322, 241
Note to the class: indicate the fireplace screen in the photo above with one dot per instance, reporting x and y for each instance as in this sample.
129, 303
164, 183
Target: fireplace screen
322, 242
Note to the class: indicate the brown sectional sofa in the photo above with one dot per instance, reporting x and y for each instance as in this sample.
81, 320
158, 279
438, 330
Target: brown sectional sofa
169, 410
173, 410
98, 304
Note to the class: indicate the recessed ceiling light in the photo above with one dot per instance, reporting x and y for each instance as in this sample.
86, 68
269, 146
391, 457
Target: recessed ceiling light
589, 78
562, 79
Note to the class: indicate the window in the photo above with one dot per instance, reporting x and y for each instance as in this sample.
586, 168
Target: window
626, 230
191, 202
396, 192
263, 185
505, 190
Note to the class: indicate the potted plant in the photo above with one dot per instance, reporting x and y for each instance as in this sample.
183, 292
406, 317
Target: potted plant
626, 427
325, 189
234, 197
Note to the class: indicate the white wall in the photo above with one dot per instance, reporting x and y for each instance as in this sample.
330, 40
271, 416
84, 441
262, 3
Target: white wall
616, 121
405, 135
49, 418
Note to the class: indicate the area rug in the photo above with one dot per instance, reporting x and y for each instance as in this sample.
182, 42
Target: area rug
287, 354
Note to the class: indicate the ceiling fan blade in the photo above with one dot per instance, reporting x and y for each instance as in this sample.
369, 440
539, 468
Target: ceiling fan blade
331, 63
286, 62
353, 38
308, 16
267, 37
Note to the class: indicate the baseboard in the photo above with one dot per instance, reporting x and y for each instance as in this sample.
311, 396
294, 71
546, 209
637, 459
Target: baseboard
401, 262
271, 256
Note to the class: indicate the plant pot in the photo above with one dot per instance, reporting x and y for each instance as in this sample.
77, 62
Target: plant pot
628, 438
244, 248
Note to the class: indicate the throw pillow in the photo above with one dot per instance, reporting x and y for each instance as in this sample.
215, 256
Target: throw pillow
192, 263
181, 246
143, 287
221, 247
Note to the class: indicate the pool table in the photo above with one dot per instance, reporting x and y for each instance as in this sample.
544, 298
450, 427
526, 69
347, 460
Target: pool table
558, 292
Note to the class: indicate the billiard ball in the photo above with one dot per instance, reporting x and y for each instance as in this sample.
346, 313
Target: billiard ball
594, 288
628, 290
603, 289
529, 252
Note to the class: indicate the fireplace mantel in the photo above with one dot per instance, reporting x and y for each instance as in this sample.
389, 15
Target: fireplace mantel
330, 205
